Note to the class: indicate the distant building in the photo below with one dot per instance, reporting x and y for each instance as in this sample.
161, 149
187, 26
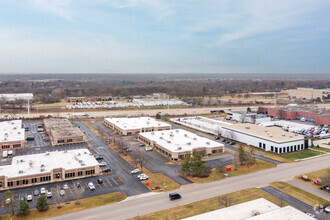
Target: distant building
249, 117
314, 114
306, 93
268, 139
49, 167
175, 144
62, 132
76, 99
131, 126
259, 209
16, 96
12, 135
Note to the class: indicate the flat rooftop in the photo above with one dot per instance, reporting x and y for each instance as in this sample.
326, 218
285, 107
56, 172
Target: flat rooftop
240, 211
34, 164
136, 123
15, 96
285, 213
11, 131
179, 140
308, 109
268, 133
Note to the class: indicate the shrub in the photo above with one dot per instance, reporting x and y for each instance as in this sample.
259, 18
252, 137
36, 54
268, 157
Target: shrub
204, 175
42, 204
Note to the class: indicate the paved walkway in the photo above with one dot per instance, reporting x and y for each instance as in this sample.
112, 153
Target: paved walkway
310, 189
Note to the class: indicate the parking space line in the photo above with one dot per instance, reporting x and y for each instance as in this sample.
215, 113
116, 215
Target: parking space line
105, 184
115, 182
109, 182
99, 185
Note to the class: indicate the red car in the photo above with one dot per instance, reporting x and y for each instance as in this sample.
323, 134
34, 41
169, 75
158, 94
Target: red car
317, 182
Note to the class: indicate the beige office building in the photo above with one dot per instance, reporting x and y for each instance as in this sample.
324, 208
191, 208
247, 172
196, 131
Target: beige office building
49, 167
12, 135
62, 132
131, 126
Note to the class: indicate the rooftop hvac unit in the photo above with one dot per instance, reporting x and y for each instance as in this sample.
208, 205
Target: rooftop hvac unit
83, 164
42, 170
152, 133
195, 139
42, 165
186, 135
179, 148
80, 161
20, 172
208, 143
177, 131
168, 141
247, 127
47, 154
188, 143
283, 135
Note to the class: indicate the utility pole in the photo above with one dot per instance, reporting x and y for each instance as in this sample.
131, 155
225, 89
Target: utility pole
29, 107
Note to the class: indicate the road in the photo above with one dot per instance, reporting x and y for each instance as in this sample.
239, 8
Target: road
310, 189
152, 202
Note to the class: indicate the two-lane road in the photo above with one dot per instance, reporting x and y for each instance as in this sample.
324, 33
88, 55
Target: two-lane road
152, 202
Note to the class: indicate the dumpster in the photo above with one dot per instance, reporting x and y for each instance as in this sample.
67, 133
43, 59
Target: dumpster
226, 175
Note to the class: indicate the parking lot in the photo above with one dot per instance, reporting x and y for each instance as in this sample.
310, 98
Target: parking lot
38, 136
111, 183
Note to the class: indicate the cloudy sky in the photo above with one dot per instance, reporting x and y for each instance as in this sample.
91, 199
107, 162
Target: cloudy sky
164, 36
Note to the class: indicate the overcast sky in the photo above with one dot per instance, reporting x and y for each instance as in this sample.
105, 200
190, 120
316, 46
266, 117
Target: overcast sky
164, 36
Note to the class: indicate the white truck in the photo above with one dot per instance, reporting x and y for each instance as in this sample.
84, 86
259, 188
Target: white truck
5, 154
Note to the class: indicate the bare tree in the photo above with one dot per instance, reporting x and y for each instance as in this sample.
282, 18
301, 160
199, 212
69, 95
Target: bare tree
9, 201
78, 192
221, 168
139, 158
57, 196
225, 201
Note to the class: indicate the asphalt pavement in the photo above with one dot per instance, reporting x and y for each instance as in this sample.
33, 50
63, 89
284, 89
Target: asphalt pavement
308, 188
152, 202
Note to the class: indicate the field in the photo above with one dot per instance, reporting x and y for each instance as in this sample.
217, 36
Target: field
323, 174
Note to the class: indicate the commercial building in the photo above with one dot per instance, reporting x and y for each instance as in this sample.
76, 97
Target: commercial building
155, 102
12, 135
76, 99
249, 117
268, 139
320, 116
254, 210
175, 144
48, 167
306, 93
61, 132
16, 96
200, 123
131, 126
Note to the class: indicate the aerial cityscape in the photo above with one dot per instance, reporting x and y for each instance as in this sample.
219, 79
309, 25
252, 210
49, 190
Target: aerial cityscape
161, 109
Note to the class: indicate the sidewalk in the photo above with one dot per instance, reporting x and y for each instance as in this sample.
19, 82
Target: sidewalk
310, 189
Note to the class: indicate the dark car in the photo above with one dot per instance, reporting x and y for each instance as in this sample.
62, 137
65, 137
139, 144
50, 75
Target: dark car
78, 185
174, 196
326, 188
31, 138
99, 157
36, 192
224, 140
106, 170
142, 145
232, 143
26, 128
99, 181
217, 138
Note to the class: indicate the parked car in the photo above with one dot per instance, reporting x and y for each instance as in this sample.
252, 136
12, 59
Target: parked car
141, 145
8, 201
142, 176
99, 181
30, 138
49, 194
29, 198
78, 185
326, 188
91, 186
174, 196
217, 138
40, 129
148, 149
232, 143
327, 209
62, 192
106, 170
135, 171
46, 139
36, 192
26, 128
98, 157
65, 186
103, 164
128, 149
42, 191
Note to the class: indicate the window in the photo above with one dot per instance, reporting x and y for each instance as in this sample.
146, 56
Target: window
283, 149
291, 148
264, 146
69, 140
287, 149
276, 150
259, 144
280, 150
60, 141
272, 148
295, 147
17, 183
5, 146
11, 183
0, 184
16, 145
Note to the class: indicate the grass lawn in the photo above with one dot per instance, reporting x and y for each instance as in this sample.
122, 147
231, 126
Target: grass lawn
298, 193
215, 175
210, 204
72, 207
322, 149
300, 154
314, 175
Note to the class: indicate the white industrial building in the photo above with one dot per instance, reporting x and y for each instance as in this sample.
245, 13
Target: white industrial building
12, 135
200, 123
131, 126
175, 144
156, 102
268, 139
247, 117
48, 167
290, 126
259, 209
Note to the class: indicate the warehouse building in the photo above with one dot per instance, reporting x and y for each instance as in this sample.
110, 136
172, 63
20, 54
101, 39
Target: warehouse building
268, 139
200, 123
254, 210
12, 135
247, 117
76, 99
175, 144
61, 132
34, 169
131, 126
320, 116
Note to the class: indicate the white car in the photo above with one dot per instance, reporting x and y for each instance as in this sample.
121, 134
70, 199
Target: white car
62, 192
91, 186
135, 171
103, 164
8, 201
310, 214
65, 186
29, 198
148, 149
49, 194
142, 176
42, 191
